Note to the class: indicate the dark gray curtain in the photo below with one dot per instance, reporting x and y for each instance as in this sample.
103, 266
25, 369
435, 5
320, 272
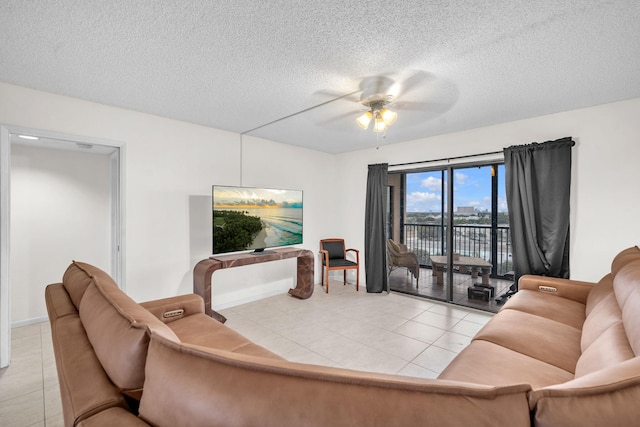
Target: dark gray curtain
375, 241
538, 181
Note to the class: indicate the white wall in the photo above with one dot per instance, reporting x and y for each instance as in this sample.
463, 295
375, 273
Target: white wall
605, 172
300, 169
59, 212
273, 165
170, 167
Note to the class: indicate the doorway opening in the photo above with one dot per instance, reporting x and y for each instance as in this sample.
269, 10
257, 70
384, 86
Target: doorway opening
24, 140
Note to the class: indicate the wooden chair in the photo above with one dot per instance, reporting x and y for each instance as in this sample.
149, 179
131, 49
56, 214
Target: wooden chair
334, 257
399, 256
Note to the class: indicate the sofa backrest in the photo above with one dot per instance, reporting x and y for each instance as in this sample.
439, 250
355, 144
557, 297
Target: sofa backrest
606, 386
77, 277
214, 387
117, 327
85, 387
626, 286
611, 331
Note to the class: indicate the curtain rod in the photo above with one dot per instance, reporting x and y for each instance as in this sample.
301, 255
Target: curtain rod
448, 159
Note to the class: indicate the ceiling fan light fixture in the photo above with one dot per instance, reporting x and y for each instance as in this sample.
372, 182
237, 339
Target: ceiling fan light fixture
379, 125
388, 116
381, 116
364, 120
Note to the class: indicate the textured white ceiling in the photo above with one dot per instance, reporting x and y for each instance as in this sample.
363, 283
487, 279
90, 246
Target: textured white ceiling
240, 64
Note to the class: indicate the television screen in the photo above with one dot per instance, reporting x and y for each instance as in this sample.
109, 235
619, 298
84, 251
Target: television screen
246, 218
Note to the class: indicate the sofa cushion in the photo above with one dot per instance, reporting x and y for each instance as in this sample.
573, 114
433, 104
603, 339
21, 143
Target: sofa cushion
118, 328
623, 258
543, 339
551, 307
242, 390
626, 281
77, 278
484, 362
605, 336
202, 330
611, 347
600, 291
626, 285
602, 315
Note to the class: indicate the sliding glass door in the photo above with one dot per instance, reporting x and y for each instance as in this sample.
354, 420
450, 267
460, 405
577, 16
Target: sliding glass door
458, 207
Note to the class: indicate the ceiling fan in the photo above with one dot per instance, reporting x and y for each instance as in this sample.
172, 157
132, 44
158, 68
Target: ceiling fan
415, 96
377, 99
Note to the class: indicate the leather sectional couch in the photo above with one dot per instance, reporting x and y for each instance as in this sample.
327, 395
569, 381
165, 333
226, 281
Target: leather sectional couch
560, 352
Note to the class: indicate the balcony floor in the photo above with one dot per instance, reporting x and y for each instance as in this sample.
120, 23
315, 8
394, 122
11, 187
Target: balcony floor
402, 281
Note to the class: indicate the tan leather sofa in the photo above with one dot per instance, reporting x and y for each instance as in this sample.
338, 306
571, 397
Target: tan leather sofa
575, 342
101, 337
560, 352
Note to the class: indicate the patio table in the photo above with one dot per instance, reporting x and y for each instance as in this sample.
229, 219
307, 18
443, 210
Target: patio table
438, 264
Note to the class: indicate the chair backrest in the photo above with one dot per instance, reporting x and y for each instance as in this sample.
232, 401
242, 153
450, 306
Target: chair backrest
335, 248
393, 247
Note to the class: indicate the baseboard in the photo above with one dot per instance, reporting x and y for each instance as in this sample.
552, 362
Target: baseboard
28, 322
254, 293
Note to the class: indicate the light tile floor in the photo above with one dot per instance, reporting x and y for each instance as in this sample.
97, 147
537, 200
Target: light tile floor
29, 393
387, 333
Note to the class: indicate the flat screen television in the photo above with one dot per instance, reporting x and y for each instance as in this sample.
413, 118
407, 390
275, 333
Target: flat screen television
248, 218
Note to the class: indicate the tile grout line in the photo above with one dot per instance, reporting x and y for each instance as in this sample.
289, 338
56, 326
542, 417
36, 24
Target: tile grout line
44, 402
360, 302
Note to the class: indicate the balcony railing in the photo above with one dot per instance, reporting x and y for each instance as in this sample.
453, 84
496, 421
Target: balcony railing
468, 240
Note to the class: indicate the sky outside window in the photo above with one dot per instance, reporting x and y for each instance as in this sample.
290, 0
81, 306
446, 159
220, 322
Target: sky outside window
472, 187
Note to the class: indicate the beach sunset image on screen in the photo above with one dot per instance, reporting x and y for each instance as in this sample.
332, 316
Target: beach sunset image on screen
247, 218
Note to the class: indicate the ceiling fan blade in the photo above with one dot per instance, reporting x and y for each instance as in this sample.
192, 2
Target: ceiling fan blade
351, 115
418, 79
416, 95
375, 85
419, 106
335, 95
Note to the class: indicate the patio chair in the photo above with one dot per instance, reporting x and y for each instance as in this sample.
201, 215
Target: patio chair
399, 256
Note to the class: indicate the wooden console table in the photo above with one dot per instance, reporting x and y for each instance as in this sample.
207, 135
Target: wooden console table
204, 269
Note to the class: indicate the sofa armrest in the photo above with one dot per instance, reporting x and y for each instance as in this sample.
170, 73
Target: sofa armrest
174, 308
574, 290
604, 397
113, 417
